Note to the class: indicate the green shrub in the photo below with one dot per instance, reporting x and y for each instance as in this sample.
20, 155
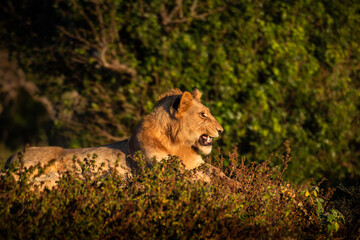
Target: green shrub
164, 202
347, 200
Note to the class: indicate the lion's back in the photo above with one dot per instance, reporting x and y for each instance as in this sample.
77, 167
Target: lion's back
110, 154
35, 155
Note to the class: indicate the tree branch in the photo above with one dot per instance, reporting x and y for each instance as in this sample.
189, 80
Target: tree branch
168, 18
104, 37
115, 65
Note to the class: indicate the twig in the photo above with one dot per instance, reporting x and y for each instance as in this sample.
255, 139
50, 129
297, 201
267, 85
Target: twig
167, 19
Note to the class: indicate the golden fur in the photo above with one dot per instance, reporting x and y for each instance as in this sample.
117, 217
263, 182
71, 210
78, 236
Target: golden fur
179, 125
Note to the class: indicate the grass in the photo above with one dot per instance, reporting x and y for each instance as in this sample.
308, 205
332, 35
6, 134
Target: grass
165, 202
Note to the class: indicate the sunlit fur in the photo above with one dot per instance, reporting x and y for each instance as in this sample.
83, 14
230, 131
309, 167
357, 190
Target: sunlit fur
176, 131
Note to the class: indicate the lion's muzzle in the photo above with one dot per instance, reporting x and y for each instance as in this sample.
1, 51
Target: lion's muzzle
205, 140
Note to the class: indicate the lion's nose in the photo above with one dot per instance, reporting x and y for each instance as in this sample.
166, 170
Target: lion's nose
220, 130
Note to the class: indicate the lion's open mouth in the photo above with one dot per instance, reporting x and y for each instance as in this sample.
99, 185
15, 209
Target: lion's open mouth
205, 140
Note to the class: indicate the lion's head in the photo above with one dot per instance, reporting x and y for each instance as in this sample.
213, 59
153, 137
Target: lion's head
186, 120
180, 125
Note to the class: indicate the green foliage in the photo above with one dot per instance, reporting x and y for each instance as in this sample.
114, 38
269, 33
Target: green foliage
269, 70
347, 200
165, 202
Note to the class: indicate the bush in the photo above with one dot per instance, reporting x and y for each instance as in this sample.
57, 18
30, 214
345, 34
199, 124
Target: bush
347, 200
164, 202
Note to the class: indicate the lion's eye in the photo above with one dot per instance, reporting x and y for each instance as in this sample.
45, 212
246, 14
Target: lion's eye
203, 115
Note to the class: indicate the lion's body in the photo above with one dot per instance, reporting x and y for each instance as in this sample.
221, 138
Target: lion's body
112, 155
179, 125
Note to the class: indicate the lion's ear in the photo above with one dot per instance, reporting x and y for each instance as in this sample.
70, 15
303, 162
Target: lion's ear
197, 94
185, 103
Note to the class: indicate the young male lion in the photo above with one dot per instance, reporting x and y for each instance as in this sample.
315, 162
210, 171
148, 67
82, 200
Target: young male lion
180, 125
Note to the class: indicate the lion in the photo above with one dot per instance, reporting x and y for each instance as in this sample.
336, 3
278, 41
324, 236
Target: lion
180, 125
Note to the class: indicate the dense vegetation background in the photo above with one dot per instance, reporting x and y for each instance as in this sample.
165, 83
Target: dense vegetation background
82, 73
